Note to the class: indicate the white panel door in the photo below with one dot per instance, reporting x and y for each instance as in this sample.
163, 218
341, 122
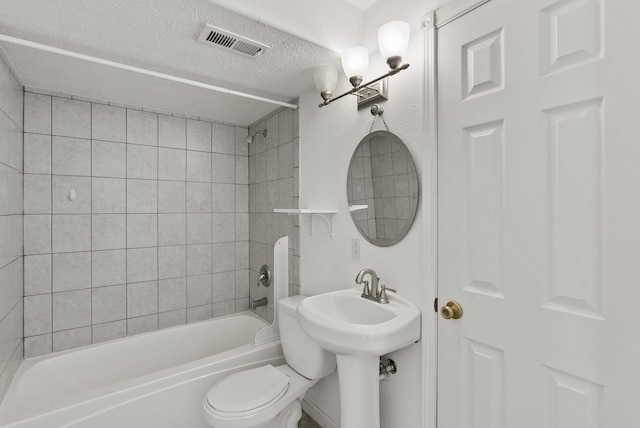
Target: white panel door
539, 215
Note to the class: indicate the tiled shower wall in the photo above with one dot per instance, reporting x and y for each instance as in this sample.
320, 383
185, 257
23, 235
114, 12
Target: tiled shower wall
134, 221
11, 260
273, 183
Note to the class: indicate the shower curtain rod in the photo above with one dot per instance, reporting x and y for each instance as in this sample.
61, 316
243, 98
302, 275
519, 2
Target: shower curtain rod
71, 54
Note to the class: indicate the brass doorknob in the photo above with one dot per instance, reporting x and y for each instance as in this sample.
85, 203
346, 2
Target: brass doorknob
451, 310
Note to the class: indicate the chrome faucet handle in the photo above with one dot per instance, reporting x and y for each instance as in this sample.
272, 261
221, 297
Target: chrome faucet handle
383, 293
265, 276
366, 291
384, 287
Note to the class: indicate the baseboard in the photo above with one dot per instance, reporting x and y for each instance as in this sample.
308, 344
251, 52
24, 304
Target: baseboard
318, 415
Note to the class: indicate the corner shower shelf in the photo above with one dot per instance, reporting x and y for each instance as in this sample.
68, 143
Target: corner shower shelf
326, 215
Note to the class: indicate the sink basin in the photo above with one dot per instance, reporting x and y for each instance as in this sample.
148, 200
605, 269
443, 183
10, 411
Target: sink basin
359, 331
344, 323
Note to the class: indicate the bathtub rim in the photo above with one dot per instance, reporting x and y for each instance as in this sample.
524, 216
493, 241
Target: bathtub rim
110, 392
55, 354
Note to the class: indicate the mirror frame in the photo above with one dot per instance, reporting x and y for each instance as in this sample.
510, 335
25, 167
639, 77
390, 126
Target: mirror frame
395, 139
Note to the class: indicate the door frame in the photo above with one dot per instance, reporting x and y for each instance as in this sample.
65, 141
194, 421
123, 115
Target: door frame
430, 227
430, 24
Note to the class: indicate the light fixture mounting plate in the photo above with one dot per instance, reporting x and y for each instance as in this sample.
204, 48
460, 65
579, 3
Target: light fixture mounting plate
373, 93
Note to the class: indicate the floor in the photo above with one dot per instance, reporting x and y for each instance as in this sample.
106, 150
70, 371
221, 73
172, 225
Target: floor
307, 422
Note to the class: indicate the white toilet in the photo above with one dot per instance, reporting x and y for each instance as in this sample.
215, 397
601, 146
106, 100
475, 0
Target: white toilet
267, 396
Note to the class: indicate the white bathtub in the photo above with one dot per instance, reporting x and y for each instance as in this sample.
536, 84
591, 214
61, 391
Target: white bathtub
154, 380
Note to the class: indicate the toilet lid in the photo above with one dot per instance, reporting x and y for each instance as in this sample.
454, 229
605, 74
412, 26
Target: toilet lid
248, 389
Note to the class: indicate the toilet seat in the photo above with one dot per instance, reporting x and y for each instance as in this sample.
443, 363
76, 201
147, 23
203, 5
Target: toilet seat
248, 391
292, 393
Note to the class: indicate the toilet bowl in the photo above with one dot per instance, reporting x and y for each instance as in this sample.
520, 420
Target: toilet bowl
268, 402
267, 396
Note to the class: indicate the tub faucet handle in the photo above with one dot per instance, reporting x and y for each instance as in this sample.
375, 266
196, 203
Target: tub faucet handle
265, 276
260, 279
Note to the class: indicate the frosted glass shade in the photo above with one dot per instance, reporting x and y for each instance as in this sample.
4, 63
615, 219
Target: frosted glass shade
393, 39
355, 61
326, 78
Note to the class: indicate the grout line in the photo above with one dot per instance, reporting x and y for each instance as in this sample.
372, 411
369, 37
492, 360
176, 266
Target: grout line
126, 207
211, 220
11, 358
51, 214
186, 246
10, 167
157, 223
90, 223
15, 304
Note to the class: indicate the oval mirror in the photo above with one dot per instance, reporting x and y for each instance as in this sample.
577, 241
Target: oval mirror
382, 188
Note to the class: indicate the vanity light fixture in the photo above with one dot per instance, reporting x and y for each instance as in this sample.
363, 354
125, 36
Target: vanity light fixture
326, 78
393, 39
355, 62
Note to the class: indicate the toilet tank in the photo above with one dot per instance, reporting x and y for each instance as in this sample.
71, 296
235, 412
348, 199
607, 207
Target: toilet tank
301, 352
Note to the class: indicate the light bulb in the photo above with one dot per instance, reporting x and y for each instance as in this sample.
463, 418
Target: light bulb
326, 78
393, 40
355, 61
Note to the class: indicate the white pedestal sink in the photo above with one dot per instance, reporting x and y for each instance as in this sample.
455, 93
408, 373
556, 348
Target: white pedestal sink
359, 331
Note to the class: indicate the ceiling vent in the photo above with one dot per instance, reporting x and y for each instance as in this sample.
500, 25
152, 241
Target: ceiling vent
230, 41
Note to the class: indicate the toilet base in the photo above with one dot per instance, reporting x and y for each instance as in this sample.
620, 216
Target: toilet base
289, 417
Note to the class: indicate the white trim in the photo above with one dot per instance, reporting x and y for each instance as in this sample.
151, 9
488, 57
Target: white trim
318, 415
96, 60
430, 226
455, 10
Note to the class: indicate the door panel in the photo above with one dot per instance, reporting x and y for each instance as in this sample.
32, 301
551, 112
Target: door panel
482, 385
530, 215
574, 139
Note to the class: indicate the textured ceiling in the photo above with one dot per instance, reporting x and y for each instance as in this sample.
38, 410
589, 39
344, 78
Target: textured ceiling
158, 35
362, 4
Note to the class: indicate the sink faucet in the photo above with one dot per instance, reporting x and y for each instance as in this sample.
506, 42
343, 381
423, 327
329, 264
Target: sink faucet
374, 293
368, 293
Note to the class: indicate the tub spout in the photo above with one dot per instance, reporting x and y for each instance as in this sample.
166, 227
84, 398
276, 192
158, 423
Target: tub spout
253, 304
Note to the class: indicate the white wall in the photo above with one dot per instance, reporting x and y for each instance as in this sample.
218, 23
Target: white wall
328, 137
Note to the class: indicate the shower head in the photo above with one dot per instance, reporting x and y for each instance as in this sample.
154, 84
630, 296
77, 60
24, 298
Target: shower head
251, 138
